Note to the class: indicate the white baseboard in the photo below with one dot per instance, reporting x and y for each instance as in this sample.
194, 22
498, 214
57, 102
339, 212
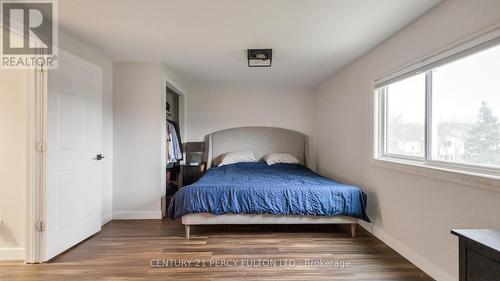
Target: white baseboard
12, 254
137, 215
408, 253
106, 218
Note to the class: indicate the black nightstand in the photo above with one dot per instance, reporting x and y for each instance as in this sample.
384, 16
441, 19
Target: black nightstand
479, 254
191, 173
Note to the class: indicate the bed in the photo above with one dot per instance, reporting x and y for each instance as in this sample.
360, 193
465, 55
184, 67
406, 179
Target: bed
255, 193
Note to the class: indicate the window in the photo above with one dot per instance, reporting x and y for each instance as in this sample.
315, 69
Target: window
405, 112
447, 113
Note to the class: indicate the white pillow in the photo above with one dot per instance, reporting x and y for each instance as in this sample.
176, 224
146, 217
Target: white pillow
237, 157
275, 158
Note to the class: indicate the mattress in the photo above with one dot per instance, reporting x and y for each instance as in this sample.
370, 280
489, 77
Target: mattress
280, 189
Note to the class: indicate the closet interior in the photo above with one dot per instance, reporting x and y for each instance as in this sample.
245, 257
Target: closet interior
174, 144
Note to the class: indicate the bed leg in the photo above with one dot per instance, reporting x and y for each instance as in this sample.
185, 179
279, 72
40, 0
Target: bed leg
353, 230
186, 228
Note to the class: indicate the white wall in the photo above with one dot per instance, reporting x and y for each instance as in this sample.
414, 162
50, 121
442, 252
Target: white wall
14, 93
210, 109
94, 56
413, 214
137, 123
213, 108
139, 138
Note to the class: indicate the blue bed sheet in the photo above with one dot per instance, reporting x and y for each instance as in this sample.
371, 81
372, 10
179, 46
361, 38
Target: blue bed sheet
256, 188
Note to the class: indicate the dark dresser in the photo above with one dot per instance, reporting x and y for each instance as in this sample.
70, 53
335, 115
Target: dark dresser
479, 254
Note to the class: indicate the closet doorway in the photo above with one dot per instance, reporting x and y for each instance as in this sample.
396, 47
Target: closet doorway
173, 152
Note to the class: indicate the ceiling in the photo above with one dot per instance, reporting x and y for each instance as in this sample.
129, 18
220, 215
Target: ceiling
207, 40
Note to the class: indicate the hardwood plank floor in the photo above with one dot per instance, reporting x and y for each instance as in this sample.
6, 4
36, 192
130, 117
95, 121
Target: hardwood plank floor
157, 250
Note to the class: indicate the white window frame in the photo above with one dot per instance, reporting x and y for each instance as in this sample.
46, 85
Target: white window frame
427, 66
383, 132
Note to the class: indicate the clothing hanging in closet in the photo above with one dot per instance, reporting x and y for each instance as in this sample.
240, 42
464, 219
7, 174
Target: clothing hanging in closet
174, 142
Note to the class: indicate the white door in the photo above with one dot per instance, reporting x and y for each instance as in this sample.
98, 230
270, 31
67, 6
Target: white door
74, 139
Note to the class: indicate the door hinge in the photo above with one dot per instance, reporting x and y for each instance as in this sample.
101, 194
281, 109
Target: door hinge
40, 226
41, 146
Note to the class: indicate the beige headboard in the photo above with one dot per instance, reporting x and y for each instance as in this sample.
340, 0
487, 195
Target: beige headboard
259, 140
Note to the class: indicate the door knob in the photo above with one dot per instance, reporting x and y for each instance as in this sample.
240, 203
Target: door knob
98, 157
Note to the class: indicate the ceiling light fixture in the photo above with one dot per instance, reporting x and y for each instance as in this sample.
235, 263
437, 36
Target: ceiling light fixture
260, 57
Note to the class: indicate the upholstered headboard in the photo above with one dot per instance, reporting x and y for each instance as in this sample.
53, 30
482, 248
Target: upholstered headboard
259, 140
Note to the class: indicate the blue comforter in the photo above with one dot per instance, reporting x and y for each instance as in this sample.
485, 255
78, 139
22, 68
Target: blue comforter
256, 188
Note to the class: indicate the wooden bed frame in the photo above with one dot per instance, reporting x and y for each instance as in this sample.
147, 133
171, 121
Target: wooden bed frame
261, 141
210, 219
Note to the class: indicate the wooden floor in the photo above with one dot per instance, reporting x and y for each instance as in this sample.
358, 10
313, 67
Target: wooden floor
126, 250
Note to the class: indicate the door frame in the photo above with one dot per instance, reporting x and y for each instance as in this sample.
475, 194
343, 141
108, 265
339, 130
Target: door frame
168, 82
36, 155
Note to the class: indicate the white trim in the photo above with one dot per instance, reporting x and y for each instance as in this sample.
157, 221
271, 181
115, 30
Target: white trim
11, 254
420, 261
36, 111
485, 181
31, 254
106, 218
41, 117
136, 215
164, 146
174, 86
